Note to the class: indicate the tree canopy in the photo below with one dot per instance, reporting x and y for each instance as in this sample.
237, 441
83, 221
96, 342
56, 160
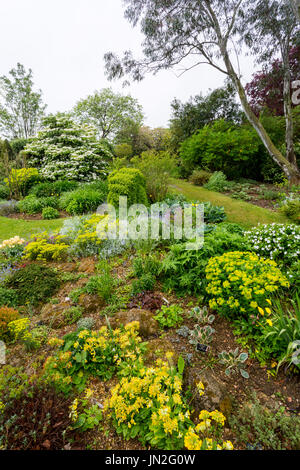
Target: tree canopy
64, 149
22, 108
109, 112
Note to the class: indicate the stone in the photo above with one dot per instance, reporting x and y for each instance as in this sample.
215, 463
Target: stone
52, 314
157, 349
87, 266
148, 325
91, 303
215, 397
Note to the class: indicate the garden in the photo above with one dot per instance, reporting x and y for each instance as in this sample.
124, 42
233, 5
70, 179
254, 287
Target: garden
141, 343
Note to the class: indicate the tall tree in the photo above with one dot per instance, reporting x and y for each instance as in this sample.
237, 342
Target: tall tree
109, 112
266, 87
273, 29
21, 109
204, 30
201, 110
296, 7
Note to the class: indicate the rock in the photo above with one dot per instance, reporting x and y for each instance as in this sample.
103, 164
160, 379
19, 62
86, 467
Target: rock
91, 303
157, 349
87, 266
148, 325
52, 315
67, 267
215, 397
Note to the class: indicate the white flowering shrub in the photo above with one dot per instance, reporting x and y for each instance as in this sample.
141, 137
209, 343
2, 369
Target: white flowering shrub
278, 242
66, 150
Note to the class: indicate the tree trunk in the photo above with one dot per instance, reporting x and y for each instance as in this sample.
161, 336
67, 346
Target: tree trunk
289, 125
296, 6
291, 170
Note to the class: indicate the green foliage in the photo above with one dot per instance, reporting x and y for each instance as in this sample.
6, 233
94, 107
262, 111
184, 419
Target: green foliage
258, 425
45, 281
184, 270
49, 213
19, 181
55, 188
124, 151
83, 200
222, 147
234, 362
8, 297
127, 182
145, 283
201, 335
4, 191
103, 284
291, 208
217, 182
109, 112
22, 108
169, 316
240, 285
33, 205
100, 354
200, 177
66, 150
72, 315
148, 264
157, 167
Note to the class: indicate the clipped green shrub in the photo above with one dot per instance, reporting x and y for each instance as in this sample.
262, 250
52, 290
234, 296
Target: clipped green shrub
128, 182
33, 205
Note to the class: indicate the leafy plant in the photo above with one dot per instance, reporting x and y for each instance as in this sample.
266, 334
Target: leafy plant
169, 316
201, 335
49, 213
234, 362
201, 316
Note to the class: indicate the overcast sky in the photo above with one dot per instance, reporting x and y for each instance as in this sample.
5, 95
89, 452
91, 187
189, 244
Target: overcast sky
63, 42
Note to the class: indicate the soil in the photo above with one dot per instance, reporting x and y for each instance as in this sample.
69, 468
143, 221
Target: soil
271, 390
19, 215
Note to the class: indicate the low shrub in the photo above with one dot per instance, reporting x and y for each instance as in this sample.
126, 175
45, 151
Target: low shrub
33, 284
55, 188
145, 283
4, 191
100, 353
128, 182
33, 205
81, 201
44, 247
169, 316
49, 213
240, 284
291, 208
8, 297
200, 177
183, 270
217, 182
39, 419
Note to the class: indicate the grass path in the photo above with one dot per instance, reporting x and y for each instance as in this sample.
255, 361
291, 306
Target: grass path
24, 228
240, 212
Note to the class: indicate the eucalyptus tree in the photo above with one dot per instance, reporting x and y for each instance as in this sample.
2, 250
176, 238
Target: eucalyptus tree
272, 30
21, 108
191, 33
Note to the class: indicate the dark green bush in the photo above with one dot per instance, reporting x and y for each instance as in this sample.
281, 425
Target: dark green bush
144, 284
81, 201
55, 188
8, 297
33, 205
223, 147
33, 284
127, 182
4, 191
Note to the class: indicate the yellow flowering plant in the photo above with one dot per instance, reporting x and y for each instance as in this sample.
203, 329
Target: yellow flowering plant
151, 407
84, 414
240, 285
207, 434
13, 247
45, 247
101, 353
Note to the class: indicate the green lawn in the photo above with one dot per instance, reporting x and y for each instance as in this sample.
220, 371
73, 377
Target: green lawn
24, 228
239, 212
